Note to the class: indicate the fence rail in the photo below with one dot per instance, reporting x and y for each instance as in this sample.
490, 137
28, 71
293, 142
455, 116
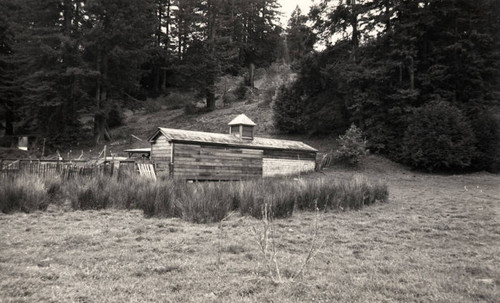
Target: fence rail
67, 168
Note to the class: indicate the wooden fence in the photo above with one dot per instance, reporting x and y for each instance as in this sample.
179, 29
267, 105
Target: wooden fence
67, 168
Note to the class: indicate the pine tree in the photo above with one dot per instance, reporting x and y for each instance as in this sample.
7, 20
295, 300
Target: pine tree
300, 38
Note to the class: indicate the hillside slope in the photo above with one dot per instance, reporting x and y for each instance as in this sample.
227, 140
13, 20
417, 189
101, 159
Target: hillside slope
142, 124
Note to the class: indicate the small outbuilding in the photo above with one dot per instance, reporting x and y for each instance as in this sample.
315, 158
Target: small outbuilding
194, 155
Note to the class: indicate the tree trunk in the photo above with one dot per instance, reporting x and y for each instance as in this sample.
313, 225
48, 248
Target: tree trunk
156, 77
211, 40
100, 120
210, 98
354, 24
9, 121
167, 27
251, 75
411, 70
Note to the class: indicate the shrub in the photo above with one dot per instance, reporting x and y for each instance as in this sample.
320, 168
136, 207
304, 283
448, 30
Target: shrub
268, 96
438, 137
190, 108
115, 117
288, 110
176, 100
486, 128
352, 146
241, 91
152, 106
228, 98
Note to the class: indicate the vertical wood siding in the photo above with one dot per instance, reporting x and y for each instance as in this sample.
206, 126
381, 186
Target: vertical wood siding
161, 153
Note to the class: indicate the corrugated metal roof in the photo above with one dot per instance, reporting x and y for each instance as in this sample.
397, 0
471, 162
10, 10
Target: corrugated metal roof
202, 137
242, 119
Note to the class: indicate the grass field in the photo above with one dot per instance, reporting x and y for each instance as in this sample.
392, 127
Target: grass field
437, 239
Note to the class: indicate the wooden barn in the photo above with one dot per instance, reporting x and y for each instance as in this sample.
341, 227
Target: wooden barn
238, 155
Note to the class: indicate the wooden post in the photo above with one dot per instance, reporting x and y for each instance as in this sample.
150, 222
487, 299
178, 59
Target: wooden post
105, 150
43, 148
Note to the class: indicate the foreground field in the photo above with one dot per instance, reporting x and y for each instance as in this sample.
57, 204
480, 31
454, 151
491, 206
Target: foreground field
437, 239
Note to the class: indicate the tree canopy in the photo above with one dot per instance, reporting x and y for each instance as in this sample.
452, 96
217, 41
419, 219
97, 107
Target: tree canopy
61, 59
385, 60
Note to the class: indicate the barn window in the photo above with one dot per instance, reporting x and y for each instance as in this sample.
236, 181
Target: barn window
235, 130
247, 132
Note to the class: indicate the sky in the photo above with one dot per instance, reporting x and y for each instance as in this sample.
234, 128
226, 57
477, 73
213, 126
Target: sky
287, 7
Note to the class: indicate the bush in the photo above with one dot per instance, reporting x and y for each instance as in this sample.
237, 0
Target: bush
190, 108
268, 96
176, 100
352, 146
288, 110
228, 98
115, 117
438, 137
241, 92
487, 131
152, 106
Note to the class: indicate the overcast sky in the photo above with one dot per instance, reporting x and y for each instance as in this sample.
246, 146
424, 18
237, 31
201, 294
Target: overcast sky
287, 7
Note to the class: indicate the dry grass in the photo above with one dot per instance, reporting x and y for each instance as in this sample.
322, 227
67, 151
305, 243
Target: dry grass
436, 240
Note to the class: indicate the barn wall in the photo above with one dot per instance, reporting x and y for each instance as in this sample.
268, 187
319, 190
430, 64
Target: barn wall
161, 153
208, 162
287, 162
282, 167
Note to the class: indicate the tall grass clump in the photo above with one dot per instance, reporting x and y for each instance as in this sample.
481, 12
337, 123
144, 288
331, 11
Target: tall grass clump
197, 202
253, 196
348, 194
90, 194
204, 202
158, 198
24, 193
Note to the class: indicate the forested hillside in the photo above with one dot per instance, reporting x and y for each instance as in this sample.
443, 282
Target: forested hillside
65, 59
418, 77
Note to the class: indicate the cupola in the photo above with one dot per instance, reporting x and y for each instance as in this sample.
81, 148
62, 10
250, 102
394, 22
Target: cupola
242, 127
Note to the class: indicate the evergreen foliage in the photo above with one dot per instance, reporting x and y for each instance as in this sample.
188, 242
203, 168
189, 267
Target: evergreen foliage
439, 137
62, 59
300, 38
423, 51
352, 146
289, 110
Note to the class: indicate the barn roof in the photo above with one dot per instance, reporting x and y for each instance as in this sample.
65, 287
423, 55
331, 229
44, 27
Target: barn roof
138, 150
179, 135
242, 119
